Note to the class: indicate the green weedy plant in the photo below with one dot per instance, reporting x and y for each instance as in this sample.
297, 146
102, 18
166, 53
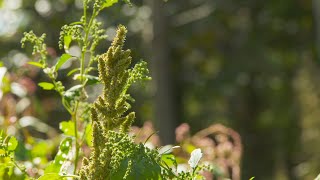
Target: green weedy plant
87, 34
107, 121
114, 155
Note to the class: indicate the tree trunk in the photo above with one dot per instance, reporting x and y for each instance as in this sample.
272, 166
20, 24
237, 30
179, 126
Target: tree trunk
162, 74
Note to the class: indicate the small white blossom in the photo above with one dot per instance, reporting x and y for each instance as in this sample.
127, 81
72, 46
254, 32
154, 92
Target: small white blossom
195, 158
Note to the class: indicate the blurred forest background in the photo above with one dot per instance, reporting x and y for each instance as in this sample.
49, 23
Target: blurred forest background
251, 65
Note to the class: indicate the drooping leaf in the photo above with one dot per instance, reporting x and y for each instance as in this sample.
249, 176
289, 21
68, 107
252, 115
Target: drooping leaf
73, 71
165, 149
73, 92
67, 127
51, 176
61, 157
37, 64
195, 158
12, 143
89, 78
63, 59
109, 3
46, 85
76, 23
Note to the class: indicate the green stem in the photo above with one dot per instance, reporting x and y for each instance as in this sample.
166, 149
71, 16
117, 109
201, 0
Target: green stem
75, 112
193, 172
82, 64
86, 42
74, 118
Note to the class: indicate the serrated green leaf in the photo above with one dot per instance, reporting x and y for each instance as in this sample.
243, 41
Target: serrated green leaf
138, 170
62, 156
108, 3
12, 143
66, 42
46, 85
37, 64
63, 59
169, 159
51, 176
67, 127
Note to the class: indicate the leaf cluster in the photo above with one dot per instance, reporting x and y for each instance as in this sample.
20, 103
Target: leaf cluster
8, 144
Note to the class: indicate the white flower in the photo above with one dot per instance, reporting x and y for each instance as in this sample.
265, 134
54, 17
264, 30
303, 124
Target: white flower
195, 158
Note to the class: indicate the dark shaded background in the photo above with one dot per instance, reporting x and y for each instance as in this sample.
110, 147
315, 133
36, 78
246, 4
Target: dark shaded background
251, 65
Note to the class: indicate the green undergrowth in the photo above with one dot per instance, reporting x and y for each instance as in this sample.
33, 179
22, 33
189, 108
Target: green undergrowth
103, 125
